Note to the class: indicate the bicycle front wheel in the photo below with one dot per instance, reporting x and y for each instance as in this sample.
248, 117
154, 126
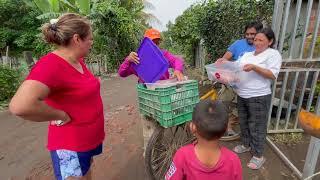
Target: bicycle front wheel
161, 147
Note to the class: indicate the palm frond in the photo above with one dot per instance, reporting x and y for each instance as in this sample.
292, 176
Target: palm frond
30, 3
70, 5
43, 5
150, 18
148, 5
48, 16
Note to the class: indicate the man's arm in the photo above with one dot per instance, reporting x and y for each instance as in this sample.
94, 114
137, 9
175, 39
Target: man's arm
230, 52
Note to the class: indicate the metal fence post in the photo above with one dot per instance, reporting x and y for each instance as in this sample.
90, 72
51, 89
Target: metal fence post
312, 158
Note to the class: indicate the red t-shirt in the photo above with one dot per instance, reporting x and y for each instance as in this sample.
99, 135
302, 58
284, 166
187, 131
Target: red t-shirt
186, 165
78, 95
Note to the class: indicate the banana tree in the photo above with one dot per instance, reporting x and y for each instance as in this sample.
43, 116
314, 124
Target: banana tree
54, 8
141, 12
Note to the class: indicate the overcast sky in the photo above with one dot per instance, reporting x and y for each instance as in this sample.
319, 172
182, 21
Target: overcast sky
168, 10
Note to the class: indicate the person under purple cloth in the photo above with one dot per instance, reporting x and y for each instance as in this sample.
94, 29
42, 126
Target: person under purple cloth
126, 69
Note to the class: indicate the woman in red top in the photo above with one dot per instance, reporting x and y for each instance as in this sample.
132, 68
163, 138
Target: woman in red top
60, 89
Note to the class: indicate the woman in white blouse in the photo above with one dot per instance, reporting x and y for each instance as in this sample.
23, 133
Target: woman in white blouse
260, 68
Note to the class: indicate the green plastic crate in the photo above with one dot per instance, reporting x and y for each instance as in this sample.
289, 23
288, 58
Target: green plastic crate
170, 106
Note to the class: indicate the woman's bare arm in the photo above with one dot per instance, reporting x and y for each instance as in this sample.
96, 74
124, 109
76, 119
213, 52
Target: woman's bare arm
28, 103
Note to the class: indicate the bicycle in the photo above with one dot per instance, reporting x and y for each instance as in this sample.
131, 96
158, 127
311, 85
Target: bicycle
167, 112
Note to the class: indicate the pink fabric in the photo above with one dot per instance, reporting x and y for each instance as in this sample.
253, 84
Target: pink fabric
186, 166
176, 63
78, 95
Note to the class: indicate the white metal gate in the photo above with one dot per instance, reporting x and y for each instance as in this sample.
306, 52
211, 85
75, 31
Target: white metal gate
296, 25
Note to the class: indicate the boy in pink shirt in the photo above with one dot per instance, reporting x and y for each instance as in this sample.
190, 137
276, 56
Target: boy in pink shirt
205, 158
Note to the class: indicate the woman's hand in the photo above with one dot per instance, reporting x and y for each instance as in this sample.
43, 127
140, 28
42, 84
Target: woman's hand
133, 57
221, 60
64, 120
249, 67
178, 75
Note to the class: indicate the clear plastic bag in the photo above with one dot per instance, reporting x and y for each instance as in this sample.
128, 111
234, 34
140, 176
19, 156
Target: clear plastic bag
225, 72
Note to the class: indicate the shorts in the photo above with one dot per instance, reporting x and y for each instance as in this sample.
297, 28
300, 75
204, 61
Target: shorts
68, 163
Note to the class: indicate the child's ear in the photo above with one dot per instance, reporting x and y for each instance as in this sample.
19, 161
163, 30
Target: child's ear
193, 128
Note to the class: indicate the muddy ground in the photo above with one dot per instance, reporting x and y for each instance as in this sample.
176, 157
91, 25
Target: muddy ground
23, 154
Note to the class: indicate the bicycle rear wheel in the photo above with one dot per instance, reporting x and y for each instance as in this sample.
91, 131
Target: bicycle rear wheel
228, 96
233, 132
161, 147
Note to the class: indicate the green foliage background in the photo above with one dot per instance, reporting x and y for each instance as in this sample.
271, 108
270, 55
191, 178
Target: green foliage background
9, 81
118, 25
19, 27
218, 23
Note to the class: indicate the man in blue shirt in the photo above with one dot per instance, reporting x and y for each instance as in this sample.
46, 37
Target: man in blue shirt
241, 46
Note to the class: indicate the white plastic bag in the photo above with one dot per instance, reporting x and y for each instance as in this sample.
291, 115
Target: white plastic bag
224, 72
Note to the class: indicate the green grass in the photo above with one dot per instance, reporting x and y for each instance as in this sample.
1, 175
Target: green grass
287, 138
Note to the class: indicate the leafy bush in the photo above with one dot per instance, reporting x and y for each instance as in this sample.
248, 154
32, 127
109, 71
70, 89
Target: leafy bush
224, 22
19, 27
117, 32
183, 36
10, 80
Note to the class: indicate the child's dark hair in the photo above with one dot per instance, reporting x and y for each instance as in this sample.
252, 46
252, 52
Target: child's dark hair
210, 119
